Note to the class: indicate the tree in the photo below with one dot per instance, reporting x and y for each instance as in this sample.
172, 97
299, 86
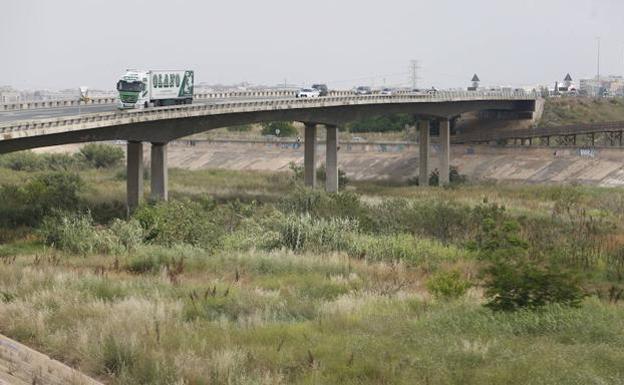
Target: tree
102, 155
281, 129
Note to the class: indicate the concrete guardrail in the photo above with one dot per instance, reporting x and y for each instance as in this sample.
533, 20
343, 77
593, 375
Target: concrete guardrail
18, 106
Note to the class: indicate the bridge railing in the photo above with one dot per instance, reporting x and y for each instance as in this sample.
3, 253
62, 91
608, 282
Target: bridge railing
537, 132
182, 111
237, 94
112, 100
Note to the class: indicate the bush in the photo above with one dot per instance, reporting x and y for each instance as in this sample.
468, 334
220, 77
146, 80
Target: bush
240, 128
321, 175
28, 204
514, 280
30, 161
169, 223
102, 155
386, 123
455, 178
129, 233
76, 233
512, 286
285, 129
447, 284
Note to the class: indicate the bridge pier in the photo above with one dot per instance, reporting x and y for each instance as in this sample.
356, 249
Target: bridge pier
423, 165
134, 175
331, 159
445, 150
159, 176
309, 155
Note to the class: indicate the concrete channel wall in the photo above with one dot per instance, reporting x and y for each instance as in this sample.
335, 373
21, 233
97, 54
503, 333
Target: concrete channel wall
20, 365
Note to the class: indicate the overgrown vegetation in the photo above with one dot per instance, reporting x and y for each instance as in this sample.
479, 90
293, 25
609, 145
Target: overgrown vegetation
280, 129
247, 278
566, 111
385, 123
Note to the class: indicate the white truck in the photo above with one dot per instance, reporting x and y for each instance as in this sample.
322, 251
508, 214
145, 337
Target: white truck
141, 89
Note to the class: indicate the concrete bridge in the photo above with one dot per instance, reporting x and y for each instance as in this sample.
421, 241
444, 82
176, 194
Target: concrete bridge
164, 124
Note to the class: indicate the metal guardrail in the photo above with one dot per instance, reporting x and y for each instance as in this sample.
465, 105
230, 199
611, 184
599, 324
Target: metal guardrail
45, 126
540, 132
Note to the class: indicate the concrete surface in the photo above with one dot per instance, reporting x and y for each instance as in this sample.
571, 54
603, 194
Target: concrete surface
20, 365
399, 161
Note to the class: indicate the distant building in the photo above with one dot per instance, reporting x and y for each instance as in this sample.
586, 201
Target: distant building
9, 95
604, 86
567, 87
475, 83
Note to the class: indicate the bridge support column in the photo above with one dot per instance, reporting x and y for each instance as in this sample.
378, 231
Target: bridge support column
134, 176
159, 176
309, 155
445, 150
423, 165
331, 159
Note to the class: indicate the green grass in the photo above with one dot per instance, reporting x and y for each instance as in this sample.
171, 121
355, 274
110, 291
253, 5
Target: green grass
566, 111
348, 309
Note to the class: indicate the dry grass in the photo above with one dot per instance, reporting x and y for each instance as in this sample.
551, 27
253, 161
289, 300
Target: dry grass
317, 316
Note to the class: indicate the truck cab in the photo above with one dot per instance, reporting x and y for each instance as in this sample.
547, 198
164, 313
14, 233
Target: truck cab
133, 88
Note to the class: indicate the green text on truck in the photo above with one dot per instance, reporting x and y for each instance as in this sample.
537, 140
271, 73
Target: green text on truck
141, 89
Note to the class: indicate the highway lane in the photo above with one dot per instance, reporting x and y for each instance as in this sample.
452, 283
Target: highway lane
56, 112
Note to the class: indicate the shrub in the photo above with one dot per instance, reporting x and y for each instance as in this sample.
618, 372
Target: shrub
71, 232
76, 233
514, 280
298, 171
129, 233
30, 161
447, 284
386, 123
168, 223
321, 175
28, 204
240, 128
102, 155
455, 178
512, 286
285, 129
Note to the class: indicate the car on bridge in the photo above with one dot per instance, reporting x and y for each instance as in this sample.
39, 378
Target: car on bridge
387, 91
363, 90
322, 89
308, 93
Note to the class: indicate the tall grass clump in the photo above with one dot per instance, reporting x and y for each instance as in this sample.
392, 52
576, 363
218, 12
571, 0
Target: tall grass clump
305, 233
77, 234
402, 247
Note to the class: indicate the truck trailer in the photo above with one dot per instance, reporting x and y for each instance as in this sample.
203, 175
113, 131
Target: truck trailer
150, 88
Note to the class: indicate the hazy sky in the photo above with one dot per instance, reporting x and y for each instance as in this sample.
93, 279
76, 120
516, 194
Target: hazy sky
67, 43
